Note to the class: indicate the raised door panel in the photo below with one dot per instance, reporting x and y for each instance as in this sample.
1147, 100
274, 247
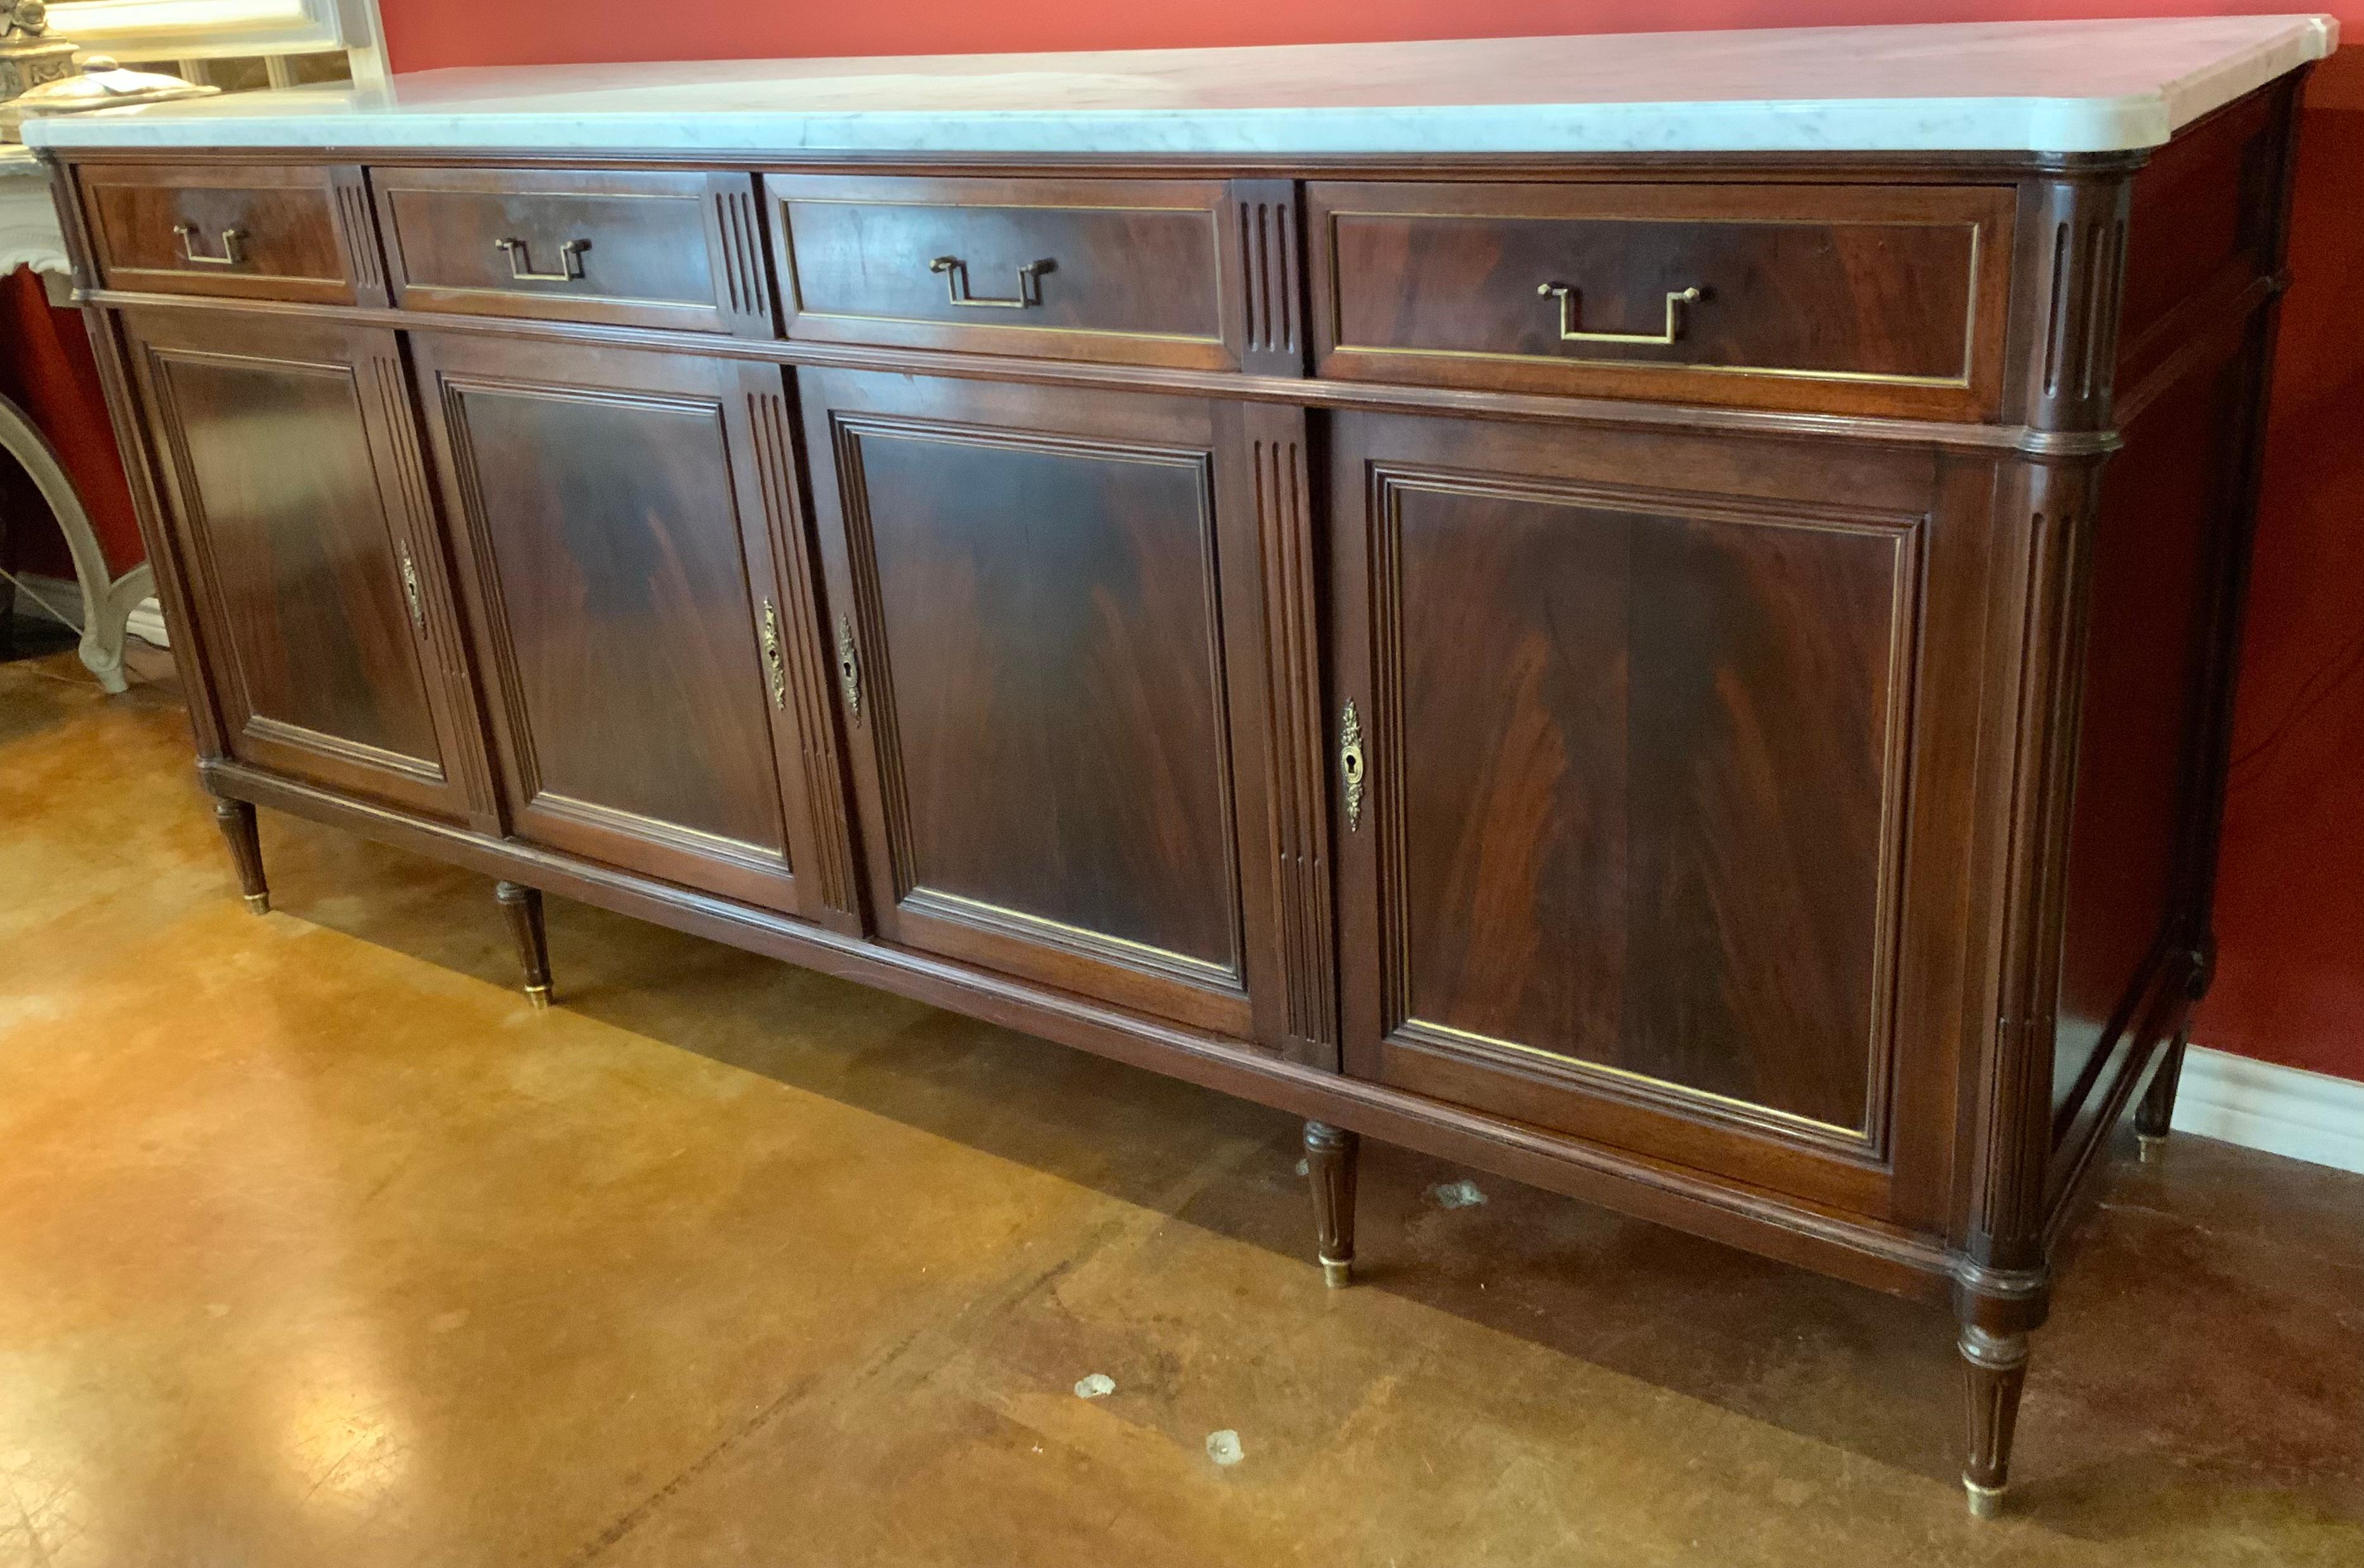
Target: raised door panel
1059, 755
635, 575
1624, 858
300, 509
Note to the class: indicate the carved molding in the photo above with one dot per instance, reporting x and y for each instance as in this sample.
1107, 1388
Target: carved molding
1298, 741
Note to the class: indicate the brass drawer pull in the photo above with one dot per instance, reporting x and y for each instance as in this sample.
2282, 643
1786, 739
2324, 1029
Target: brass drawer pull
521, 255
849, 668
955, 270
410, 589
774, 667
1350, 763
1675, 300
229, 257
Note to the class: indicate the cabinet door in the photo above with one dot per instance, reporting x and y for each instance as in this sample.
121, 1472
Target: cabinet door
300, 512
634, 574
1631, 727
1050, 614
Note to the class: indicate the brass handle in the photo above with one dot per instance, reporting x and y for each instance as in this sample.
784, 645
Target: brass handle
410, 589
774, 667
849, 667
1350, 763
1675, 300
229, 238
955, 270
570, 261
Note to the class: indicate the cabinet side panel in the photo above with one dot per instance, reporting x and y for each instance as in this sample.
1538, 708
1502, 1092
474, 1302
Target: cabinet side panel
2159, 548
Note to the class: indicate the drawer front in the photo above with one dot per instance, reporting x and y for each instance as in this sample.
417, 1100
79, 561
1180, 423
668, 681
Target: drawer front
245, 231
1848, 299
1130, 272
618, 247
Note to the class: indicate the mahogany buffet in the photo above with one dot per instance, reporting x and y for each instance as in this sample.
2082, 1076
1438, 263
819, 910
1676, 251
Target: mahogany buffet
1652, 615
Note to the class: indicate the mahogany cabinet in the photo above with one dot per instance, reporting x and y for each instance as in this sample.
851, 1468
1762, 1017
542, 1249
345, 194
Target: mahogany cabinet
1638, 673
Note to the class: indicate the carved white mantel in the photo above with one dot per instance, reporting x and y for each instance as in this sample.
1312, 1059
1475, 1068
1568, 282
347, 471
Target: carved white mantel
29, 237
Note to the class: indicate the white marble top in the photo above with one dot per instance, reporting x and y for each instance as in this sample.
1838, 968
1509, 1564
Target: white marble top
2070, 86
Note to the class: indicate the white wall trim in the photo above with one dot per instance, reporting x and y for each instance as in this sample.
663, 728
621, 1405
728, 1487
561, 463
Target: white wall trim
2283, 1110
146, 622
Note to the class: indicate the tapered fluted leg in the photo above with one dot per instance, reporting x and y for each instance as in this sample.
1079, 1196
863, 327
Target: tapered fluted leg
237, 820
1994, 1366
1329, 1154
2157, 1111
522, 905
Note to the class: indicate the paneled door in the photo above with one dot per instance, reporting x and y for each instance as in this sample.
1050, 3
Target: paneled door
299, 506
1050, 611
1624, 725
635, 572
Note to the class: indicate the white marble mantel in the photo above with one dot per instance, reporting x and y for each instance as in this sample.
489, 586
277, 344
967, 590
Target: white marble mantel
2060, 86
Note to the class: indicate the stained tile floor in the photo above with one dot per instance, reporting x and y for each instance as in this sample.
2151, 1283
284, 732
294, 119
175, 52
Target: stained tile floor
319, 1247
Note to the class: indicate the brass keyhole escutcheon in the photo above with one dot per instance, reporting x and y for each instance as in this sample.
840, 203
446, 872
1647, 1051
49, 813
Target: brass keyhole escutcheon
775, 667
410, 589
849, 668
1350, 763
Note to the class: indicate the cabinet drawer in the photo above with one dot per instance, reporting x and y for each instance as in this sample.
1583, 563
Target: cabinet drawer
1851, 299
618, 247
1130, 272
247, 231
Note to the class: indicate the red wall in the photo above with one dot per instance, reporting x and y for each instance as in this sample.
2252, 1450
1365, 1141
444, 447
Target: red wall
2291, 908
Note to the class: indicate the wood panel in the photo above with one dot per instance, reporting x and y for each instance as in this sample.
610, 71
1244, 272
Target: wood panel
1609, 876
630, 539
625, 248
254, 232
1838, 298
1059, 747
320, 584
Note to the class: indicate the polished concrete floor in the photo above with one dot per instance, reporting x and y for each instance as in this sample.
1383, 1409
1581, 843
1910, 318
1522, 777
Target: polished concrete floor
319, 1247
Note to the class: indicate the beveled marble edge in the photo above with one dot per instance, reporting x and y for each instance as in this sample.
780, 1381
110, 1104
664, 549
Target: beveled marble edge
2065, 87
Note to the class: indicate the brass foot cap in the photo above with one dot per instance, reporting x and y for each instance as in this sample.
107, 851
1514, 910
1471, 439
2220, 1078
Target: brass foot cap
258, 902
2151, 1146
538, 994
1337, 1273
1986, 1502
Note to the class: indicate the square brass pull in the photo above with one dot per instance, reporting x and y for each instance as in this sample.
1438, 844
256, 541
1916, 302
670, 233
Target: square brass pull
521, 255
229, 256
1675, 300
955, 270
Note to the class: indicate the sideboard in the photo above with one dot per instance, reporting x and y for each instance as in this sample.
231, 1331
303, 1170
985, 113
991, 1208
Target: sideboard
1656, 617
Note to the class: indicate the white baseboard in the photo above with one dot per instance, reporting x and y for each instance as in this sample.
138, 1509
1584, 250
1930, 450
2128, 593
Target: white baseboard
146, 622
2283, 1110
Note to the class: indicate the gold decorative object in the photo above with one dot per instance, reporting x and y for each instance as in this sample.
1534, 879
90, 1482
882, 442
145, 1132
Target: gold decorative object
29, 56
38, 77
1675, 300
